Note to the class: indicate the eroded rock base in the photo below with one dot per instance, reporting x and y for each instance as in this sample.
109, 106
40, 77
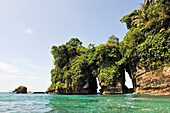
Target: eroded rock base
153, 82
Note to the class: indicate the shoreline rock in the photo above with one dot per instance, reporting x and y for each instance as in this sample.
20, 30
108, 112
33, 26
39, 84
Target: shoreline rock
20, 90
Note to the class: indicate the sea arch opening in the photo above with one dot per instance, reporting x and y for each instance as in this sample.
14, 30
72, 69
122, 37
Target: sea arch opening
98, 86
128, 80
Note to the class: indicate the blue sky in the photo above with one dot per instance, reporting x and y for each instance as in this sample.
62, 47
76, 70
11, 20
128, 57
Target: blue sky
29, 28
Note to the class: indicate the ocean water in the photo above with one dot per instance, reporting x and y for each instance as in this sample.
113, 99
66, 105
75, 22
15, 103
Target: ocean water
122, 103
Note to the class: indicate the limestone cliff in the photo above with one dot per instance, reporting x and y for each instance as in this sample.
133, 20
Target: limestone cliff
146, 47
151, 82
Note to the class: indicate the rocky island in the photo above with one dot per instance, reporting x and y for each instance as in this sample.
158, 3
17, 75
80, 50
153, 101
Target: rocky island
20, 90
144, 54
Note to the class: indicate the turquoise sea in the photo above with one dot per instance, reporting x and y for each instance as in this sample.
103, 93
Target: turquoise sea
122, 103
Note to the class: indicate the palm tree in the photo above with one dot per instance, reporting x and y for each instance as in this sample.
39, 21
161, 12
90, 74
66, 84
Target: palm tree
150, 2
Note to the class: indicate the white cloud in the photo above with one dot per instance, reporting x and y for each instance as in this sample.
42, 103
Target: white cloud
3, 76
8, 67
14, 61
36, 66
20, 60
26, 63
19, 77
33, 77
28, 31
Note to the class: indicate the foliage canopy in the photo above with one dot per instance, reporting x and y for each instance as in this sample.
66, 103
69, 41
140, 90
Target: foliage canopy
75, 65
148, 40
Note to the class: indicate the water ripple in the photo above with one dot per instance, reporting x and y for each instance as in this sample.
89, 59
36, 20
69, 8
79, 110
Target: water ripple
36, 103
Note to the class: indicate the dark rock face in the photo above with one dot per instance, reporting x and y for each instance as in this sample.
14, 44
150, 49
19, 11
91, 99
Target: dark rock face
106, 90
144, 82
151, 82
90, 87
20, 90
118, 88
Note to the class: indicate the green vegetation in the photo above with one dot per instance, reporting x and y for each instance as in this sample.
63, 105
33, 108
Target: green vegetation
146, 43
75, 65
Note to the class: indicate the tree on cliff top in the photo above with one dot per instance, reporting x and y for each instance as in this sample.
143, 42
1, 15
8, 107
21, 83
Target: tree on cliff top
76, 65
148, 39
